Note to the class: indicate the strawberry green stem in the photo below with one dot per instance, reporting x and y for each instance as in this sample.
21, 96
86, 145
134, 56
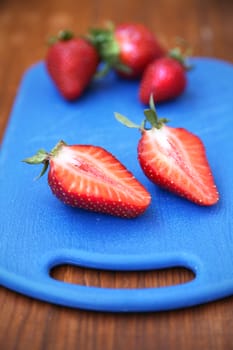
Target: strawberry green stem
150, 116
177, 54
63, 35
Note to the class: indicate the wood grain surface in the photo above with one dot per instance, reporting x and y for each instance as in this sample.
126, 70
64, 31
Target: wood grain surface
30, 324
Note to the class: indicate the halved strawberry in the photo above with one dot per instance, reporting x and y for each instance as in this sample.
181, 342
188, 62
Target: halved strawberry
174, 158
89, 177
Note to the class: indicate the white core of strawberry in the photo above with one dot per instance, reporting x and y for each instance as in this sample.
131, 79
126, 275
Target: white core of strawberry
161, 137
172, 150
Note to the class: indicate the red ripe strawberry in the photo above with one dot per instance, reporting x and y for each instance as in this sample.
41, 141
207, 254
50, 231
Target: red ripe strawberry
175, 159
71, 63
91, 178
128, 48
164, 78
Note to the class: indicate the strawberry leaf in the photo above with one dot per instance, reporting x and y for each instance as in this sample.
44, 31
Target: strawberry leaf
44, 169
38, 158
41, 157
108, 49
182, 58
125, 121
151, 117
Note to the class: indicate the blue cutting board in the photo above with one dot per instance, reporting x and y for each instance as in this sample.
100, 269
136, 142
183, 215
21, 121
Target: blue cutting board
39, 232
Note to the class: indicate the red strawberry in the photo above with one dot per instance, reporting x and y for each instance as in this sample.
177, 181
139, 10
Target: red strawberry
91, 178
71, 63
175, 159
128, 48
164, 78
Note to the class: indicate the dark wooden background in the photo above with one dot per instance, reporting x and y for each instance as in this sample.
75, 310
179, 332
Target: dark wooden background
30, 324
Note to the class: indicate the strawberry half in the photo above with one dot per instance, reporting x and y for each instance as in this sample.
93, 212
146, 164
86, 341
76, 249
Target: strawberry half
71, 63
174, 158
91, 178
128, 48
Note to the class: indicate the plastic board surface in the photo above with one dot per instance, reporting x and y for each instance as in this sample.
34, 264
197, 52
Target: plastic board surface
39, 232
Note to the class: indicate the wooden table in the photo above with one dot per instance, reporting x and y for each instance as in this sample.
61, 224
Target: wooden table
31, 324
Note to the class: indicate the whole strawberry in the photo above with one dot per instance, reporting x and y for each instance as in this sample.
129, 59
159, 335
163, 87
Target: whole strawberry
164, 78
71, 63
91, 178
174, 158
128, 48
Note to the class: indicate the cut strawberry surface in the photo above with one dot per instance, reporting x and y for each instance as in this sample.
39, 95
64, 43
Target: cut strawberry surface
174, 158
91, 178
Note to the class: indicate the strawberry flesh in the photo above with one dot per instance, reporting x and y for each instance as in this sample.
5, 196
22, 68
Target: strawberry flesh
175, 159
91, 178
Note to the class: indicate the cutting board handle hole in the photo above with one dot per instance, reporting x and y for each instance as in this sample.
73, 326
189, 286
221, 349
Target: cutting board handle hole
122, 279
